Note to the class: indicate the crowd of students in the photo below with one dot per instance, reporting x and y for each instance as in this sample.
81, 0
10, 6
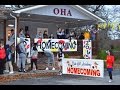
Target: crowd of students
6, 53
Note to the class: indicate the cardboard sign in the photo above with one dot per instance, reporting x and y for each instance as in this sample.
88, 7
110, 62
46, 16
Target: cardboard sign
87, 49
28, 47
93, 68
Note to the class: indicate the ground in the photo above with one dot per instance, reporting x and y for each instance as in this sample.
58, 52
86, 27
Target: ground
69, 80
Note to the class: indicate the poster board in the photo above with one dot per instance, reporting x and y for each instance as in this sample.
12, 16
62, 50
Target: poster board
93, 68
87, 49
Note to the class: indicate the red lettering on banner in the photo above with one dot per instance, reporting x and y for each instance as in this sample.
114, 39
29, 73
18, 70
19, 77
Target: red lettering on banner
68, 70
62, 11
75, 70
90, 72
98, 73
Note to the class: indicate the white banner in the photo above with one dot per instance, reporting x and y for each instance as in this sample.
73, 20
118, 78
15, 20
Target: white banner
93, 67
54, 44
28, 47
87, 49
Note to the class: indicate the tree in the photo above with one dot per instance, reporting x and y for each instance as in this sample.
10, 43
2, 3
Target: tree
98, 10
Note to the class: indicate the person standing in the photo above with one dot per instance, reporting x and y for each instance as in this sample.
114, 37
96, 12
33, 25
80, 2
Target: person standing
59, 33
45, 35
60, 56
27, 35
9, 59
63, 34
12, 36
39, 35
110, 63
2, 57
81, 37
34, 57
22, 55
21, 34
50, 57
51, 36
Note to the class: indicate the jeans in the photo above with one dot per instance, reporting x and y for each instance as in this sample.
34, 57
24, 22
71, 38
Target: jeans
22, 61
34, 61
9, 65
110, 72
51, 61
2, 63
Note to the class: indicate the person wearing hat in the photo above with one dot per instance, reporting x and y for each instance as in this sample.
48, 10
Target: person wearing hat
22, 55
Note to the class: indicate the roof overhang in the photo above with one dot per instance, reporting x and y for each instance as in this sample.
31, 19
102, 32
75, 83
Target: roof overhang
77, 7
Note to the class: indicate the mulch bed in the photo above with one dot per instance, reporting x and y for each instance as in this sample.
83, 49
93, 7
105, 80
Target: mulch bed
17, 76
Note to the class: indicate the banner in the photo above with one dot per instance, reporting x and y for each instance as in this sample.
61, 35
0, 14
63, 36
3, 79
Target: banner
28, 47
54, 44
93, 68
87, 49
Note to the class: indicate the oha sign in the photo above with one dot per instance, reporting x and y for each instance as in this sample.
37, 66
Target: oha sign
93, 68
87, 49
54, 44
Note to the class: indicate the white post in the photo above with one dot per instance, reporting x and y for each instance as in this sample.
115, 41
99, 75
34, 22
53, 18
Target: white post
15, 35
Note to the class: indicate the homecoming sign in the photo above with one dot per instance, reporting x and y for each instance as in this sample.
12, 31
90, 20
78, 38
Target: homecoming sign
93, 68
87, 49
54, 44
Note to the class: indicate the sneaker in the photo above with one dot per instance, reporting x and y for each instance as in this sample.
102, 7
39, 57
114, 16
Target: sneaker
24, 70
47, 68
19, 70
7, 71
11, 72
60, 73
53, 68
110, 81
34, 69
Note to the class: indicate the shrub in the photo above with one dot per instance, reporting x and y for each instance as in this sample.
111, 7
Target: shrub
101, 54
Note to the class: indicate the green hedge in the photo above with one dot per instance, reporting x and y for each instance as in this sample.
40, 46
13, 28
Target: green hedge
101, 54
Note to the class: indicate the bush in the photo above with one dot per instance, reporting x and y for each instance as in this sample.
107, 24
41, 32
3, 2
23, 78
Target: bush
101, 54
66, 56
